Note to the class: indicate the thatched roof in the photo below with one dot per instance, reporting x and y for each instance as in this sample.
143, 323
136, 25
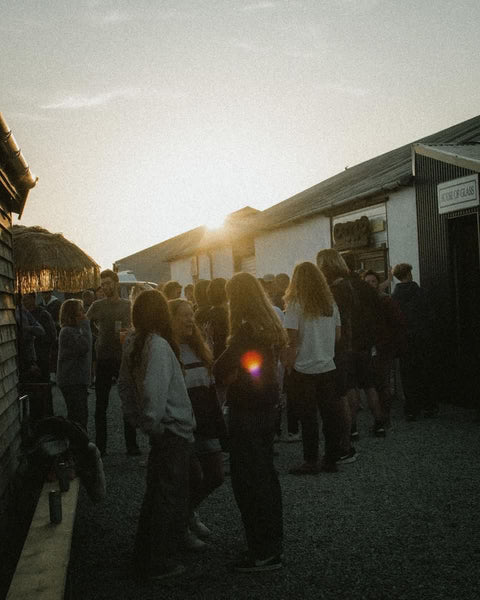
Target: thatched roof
47, 261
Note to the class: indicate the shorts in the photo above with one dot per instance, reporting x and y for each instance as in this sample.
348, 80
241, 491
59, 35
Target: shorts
361, 373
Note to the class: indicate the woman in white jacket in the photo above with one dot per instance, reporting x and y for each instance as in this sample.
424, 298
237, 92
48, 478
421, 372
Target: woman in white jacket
154, 398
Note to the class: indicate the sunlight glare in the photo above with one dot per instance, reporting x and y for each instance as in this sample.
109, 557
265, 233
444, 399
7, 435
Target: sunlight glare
214, 220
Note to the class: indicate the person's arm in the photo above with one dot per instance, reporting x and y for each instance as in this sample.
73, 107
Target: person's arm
226, 366
158, 375
338, 324
388, 281
33, 327
291, 351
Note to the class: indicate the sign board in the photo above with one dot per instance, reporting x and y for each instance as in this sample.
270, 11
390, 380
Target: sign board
458, 194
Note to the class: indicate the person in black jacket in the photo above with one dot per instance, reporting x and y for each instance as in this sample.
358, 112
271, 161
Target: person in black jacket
249, 367
414, 364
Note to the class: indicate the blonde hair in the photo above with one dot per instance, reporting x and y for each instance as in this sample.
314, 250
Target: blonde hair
309, 289
248, 302
332, 265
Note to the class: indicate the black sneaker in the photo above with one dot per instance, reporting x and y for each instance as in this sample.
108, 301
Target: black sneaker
252, 565
170, 570
354, 436
379, 430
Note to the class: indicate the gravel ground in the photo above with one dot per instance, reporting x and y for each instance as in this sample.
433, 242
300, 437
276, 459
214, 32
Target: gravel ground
400, 523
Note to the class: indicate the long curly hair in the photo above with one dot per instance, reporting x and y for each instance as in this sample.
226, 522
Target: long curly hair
150, 314
248, 302
196, 341
309, 289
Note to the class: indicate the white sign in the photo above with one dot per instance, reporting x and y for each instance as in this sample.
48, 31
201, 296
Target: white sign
457, 194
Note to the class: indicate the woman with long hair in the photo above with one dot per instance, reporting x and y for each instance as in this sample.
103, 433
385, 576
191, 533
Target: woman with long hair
312, 322
74, 359
154, 398
249, 367
206, 470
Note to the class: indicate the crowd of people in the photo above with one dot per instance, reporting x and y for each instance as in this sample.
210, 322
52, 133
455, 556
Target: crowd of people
231, 367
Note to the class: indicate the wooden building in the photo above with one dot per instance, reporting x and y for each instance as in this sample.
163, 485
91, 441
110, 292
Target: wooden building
16, 180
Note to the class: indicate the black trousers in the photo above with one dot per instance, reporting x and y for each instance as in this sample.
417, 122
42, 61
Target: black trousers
255, 481
164, 509
415, 373
318, 393
76, 399
106, 370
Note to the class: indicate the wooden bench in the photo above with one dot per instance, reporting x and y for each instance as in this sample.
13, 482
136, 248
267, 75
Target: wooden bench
41, 572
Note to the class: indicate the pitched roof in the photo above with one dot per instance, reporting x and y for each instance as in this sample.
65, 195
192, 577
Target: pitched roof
15, 174
465, 155
378, 175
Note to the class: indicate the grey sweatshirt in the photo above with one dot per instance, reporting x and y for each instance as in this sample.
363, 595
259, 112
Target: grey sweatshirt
154, 397
74, 355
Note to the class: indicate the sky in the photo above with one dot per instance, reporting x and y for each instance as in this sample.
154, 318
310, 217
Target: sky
143, 119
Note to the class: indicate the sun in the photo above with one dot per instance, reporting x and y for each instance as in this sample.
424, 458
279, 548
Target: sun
214, 220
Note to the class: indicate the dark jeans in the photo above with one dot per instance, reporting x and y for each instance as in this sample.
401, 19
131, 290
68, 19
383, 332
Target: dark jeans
415, 373
105, 371
164, 509
76, 399
313, 393
255, 482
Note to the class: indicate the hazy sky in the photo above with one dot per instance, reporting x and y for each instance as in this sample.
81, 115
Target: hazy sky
143, 119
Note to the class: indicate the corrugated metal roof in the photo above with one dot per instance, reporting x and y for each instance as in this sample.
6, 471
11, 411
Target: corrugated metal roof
466, 156
378, 175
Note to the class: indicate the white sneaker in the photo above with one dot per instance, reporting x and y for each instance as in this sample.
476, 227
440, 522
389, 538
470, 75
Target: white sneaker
198, 528
192, 542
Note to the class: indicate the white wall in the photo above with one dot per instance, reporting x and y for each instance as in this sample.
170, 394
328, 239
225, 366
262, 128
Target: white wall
402, 229
181, 270
204, 266
278, 251
222, 262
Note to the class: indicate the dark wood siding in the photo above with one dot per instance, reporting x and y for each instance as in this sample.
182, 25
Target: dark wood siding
9, 408
436, 266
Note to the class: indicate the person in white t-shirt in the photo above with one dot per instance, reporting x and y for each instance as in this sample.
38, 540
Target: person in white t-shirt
312, 321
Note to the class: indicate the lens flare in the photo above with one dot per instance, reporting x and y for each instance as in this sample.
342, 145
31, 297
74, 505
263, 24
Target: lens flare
252, 362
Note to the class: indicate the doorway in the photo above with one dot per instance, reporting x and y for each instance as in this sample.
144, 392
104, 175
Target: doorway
463, 235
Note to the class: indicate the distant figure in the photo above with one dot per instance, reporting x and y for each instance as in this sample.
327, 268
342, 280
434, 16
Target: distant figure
390, 342
172, 289
217, 318
52, 304
188, 291
88, 297
45, 344
282, 281
28, 330
74, 360
414, 363
112, 316
201, 301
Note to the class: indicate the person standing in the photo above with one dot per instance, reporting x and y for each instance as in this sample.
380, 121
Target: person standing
154, 398
44, 344
249, 367
312, 321
111, 315
74, 360
206, 470
414, 363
